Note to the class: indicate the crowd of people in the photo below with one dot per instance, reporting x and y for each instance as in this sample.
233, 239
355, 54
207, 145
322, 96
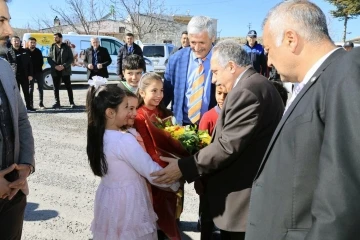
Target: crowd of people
276, 168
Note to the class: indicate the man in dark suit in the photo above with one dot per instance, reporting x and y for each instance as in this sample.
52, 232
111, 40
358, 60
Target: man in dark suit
97, 59
307, 186
24, 70
182, 74
251, 112
129, 48
16, 143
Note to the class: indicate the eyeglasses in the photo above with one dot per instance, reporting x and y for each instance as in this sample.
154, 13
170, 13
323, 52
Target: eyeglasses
252, 36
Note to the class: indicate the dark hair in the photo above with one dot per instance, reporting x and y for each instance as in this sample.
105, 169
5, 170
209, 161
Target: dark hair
133, 62
58, 35
184, 32
282, 90
15, 37
144, 82
97, 101
32, 39
129, 35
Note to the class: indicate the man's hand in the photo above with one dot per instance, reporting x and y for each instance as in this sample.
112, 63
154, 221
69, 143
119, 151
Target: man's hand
170, 174
99, 66
90, 66
30, 78
59, 67
5, 190
24, 171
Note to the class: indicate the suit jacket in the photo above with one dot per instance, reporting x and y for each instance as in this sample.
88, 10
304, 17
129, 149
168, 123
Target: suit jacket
250, 114
308, 184
175, 78
123, 53
67, 59
24, 141
103, 57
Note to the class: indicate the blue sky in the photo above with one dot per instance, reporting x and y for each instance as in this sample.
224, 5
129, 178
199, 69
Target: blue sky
233, 16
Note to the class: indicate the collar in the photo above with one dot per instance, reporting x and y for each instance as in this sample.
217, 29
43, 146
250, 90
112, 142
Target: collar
195, 59
239, 77
315, 67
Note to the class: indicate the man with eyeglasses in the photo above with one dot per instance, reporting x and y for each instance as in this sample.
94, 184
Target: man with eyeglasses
256, 53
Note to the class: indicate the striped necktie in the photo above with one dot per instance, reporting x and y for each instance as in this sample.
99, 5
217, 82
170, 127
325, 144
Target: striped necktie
197, 91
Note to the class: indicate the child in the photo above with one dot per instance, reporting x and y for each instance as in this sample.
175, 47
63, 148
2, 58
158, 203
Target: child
208, 121
122, 206
133, 102
133, 68
150, 94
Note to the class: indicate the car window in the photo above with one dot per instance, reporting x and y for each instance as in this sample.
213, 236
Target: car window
153, 51
111, 46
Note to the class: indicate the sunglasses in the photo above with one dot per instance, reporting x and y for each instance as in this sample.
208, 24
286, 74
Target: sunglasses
252, 36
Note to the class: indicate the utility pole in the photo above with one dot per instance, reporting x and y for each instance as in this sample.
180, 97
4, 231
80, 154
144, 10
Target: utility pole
249, 26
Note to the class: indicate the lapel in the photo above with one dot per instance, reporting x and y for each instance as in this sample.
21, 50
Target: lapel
8, 81
249, 72
293, 105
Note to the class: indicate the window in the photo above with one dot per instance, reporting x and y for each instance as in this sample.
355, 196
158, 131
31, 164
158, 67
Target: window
111, 45
121, 30
153, 51
84, 44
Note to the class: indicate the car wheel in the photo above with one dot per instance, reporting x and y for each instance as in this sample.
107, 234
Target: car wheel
47, 80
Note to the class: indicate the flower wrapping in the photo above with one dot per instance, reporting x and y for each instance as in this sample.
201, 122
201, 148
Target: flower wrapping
164, 143
173, 140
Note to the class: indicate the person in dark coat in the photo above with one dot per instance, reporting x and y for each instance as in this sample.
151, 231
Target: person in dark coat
60, 59
307, 186
97, 59
129, 48
37, 63
24, 69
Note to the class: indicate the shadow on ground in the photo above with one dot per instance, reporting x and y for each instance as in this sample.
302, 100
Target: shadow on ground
31, 214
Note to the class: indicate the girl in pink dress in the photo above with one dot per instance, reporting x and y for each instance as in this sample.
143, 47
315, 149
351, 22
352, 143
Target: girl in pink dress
122, 208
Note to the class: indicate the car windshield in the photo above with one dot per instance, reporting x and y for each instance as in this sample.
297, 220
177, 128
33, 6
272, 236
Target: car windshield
153, 51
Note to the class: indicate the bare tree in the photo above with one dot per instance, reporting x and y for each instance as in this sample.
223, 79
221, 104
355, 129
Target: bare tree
145, 17
81, 16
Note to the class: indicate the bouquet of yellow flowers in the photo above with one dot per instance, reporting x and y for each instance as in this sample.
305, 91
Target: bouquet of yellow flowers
190, 138
174, 140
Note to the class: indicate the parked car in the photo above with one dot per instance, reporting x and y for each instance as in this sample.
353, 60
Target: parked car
78, 44
158, 53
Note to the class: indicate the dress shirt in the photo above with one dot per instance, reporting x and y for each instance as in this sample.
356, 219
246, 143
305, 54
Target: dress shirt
191, 76
299, 86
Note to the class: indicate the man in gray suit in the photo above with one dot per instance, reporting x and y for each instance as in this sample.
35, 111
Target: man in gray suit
308, 184
251, 112
16, 143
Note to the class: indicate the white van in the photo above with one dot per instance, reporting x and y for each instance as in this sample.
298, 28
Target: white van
158, 53
78, 44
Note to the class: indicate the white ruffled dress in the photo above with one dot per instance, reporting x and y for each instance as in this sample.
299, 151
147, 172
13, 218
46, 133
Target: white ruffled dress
122, 209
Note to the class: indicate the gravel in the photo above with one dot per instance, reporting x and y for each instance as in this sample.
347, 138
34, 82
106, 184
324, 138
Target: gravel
62, 190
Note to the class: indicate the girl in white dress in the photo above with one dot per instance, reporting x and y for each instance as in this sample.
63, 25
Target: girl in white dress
123, 210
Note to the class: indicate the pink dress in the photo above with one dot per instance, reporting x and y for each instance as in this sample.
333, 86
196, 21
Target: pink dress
122, 208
